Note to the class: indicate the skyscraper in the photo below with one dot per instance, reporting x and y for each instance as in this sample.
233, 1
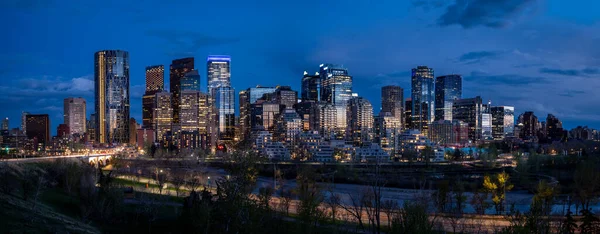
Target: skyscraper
470, 110
386, 129
111, 76
408, 114
38, 129
225, 104
219, 87
392, 101
449, 133
179, 68
328, 121
311, 87
163, 115
554, 128
74, 115
359, 121
218, 72
447, 89
530, 127
423, 98
246, 99
336, 89
189, 110
23, 121
4, 124
155, 82
503, 121
191, 81
284, 95
155, 79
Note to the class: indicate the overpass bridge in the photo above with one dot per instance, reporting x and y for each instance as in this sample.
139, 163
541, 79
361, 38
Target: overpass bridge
92, 159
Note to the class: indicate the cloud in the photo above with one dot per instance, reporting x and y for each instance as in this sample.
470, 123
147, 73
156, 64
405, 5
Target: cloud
570, 72
428, 5
478, 56
188, 42
506, 79
571, 93
487, 13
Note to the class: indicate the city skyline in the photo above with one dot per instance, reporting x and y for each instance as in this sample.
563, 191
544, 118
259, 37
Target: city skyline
518, 64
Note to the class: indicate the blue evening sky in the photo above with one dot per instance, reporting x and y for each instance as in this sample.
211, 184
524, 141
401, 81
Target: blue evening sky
542, 56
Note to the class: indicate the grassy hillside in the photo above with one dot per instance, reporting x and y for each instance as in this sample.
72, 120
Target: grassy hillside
17, 216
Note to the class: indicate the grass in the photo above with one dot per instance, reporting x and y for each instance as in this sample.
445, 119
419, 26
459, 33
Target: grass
18, 216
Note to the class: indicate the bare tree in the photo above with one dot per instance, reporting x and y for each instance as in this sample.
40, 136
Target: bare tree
356, 207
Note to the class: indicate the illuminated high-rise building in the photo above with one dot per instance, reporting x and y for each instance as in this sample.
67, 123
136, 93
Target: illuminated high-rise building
328, 121
392, 101
190, 81
225, 112
4, 124
24, 121
408, 113
155, 79
311, 87
163, 115
74, 115
449, 133
219, 87
336, 89
554, 128
423, 97
530, 125
470, 110
218, 72
155, 82
284, 95
189, 110
503, 122
386, 128
359, 121
111, 76
179, 68
447, 89
246, 99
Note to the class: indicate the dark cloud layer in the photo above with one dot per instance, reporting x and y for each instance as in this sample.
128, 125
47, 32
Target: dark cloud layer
488, 13
478, 56
570, 72
507, 79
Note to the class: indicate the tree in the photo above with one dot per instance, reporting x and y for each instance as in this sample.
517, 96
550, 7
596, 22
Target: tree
479, 203
587, 183
441, 196
545, 196
309, 198
458, 191
458, 155
412, 218
497, 185
589, 222
427, 153
568, 226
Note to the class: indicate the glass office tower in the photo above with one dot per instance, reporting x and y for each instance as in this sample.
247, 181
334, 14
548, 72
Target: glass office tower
111, 88
423, 98
447, 89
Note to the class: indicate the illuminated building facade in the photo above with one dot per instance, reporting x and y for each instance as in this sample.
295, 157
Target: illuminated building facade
179, 68
470, 110
246, 99
311, 87
392, 101
163, 115
423, 98
449, 133
386, 129
447, 89
155, 82
111, 78
359, 121
503, 122
74, 115
336, 89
